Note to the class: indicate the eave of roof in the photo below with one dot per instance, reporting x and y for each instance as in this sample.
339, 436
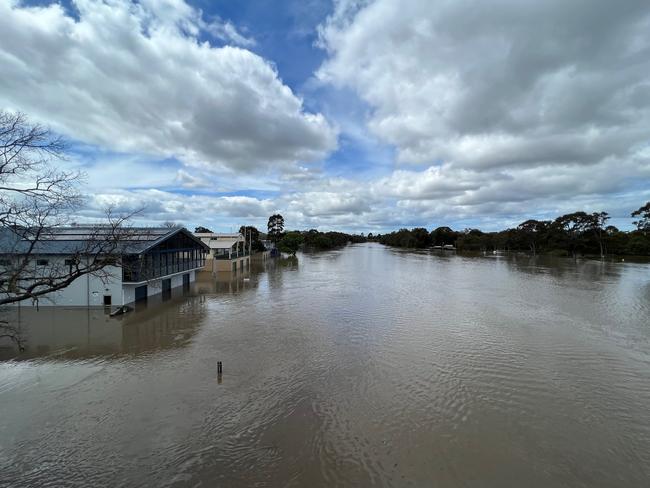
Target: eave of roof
172, 234
223, 243
65, 243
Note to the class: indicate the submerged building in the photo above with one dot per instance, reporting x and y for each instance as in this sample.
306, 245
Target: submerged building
142, 262
228, 252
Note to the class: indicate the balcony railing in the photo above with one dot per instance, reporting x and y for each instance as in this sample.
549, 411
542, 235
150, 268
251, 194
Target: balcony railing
232, 255
144, 273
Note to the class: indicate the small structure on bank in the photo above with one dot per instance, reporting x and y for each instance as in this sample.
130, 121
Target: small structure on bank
143, 262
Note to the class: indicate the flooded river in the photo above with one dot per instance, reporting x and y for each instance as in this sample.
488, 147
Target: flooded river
364, 366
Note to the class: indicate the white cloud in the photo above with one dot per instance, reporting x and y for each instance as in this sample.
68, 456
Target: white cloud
158, 206
498, 111
133, 77
226, 31
324, 203
405, 198
514, 107
483, 84
188, 180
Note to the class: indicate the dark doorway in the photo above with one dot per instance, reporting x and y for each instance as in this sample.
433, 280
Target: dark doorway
107, 300
141, 293
186, 282
166, 289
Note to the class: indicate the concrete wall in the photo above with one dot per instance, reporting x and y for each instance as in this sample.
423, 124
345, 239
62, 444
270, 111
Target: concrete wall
261, 256
235, 264
154, 287
209, 264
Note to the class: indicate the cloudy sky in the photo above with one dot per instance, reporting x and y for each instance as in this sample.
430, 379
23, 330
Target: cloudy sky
341, 114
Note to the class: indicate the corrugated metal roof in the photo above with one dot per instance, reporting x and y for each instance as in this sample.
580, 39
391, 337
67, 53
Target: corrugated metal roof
71, 240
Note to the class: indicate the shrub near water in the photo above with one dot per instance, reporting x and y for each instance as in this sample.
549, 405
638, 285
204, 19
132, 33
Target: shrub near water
290, 242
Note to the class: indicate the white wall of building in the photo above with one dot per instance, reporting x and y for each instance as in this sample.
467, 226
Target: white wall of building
89, 290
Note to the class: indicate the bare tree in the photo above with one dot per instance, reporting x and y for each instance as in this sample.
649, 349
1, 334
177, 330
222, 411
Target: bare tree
36, 202
100, 247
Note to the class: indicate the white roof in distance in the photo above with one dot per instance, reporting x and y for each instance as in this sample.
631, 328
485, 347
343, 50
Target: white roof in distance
219, 241
222, 243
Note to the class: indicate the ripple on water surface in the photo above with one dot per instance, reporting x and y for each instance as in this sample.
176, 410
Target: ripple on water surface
359, 367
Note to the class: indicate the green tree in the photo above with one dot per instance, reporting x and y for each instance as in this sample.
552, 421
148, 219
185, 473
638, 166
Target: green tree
531, 232
421, 237
275, 228
638, 244
644, 221
472, 240
290, 243
202, 230
574, 226
251, 233
597, 225
444, 236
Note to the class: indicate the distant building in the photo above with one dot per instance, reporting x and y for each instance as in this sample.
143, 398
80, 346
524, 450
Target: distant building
228, 252
147, 261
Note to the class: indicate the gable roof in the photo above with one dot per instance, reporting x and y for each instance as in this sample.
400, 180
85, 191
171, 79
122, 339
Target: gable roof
75, 239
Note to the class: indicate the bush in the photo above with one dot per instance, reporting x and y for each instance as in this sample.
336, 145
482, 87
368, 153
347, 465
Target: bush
290, 243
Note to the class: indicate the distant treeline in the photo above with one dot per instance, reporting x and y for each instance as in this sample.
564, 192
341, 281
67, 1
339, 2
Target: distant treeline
315, 240
578, 233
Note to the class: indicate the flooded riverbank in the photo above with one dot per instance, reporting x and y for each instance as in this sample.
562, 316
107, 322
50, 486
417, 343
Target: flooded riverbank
356, 367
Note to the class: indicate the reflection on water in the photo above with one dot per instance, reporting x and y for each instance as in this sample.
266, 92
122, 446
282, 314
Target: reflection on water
365, 366
165, 321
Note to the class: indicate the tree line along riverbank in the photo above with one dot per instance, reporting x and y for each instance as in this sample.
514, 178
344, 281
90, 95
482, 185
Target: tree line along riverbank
314, 240
573, 234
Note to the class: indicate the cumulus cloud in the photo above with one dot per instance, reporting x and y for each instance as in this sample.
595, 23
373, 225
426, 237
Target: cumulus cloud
324, 203
507, 102
133, 77
158, 206
497, 111
227, 32
188, 180
497, 84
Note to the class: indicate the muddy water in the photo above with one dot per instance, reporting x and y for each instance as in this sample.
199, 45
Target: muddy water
359, 367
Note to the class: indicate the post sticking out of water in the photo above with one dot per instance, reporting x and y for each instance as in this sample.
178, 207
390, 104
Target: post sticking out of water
219, 368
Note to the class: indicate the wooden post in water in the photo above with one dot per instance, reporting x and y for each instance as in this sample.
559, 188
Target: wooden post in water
219, 367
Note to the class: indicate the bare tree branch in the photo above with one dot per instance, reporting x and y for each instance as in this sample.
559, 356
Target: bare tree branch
36, 202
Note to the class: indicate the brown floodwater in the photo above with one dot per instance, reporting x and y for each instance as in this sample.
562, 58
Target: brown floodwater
364, 366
